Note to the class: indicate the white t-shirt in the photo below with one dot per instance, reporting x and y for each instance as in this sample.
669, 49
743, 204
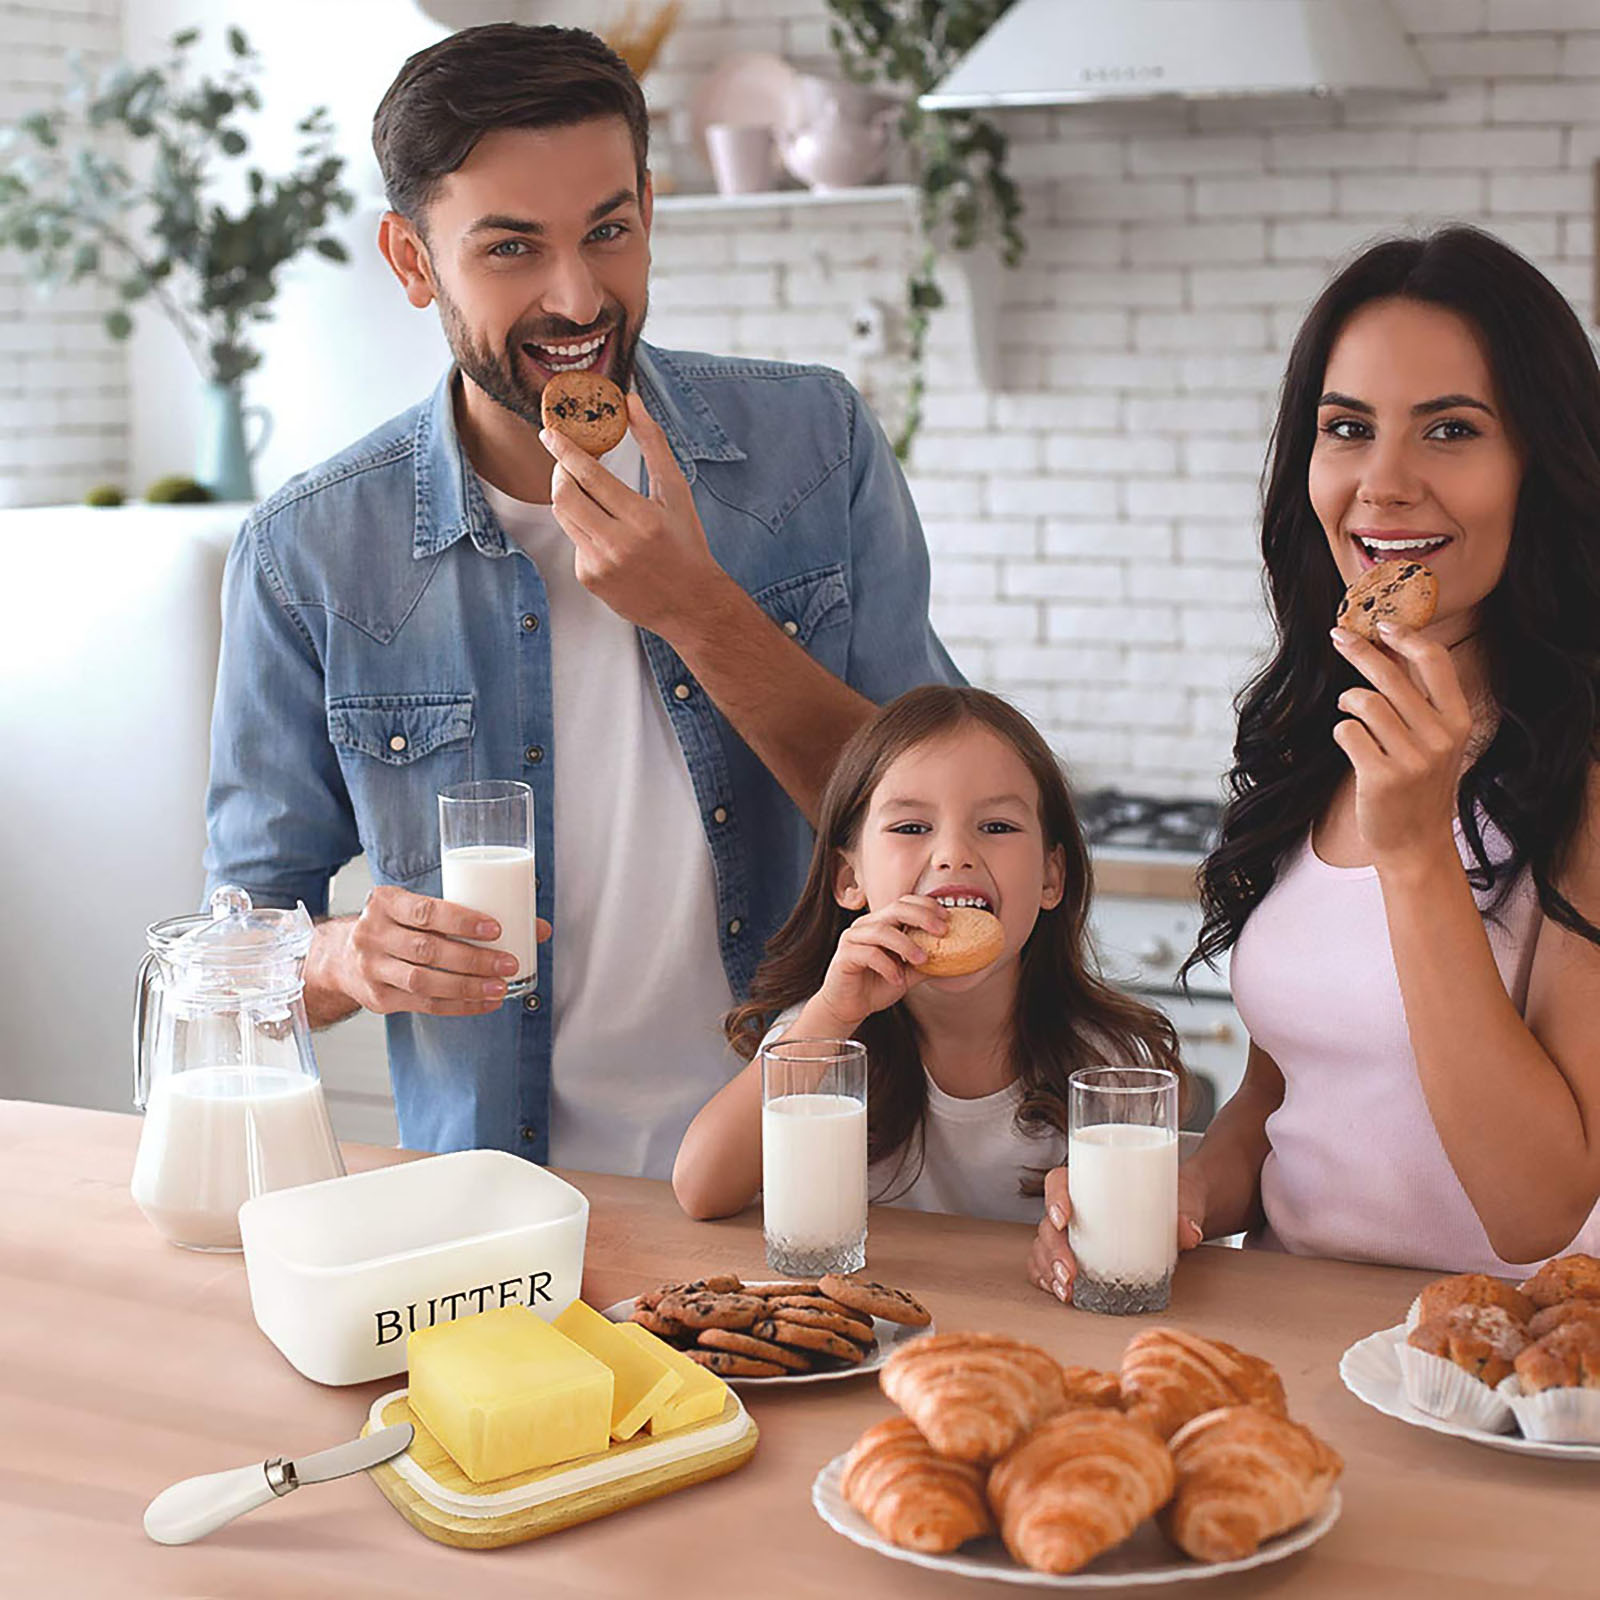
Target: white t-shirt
974, 1156
639, 988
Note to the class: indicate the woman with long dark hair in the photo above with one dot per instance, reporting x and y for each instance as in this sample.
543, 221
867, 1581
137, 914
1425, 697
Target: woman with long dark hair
1408, 875
947, 795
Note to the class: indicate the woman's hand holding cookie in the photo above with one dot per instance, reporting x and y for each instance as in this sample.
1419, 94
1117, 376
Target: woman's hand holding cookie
646, 556
1051, 1266
1405, 736
877, 959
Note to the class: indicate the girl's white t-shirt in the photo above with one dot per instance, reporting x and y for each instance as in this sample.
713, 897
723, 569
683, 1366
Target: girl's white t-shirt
974, 1157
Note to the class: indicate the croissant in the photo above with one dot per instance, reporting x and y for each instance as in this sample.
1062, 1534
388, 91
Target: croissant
1077, 1485
1087, 1387
973, 1395
912, 1495
1169, 1377
1244, 1475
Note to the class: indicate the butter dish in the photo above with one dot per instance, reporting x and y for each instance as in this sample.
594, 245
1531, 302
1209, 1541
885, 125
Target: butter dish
342, 1272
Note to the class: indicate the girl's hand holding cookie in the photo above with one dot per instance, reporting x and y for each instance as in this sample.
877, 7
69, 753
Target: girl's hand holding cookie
1405, 737
877, 960
1050, 1262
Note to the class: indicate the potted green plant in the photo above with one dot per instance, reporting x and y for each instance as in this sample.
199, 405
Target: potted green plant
119, 183
958, 157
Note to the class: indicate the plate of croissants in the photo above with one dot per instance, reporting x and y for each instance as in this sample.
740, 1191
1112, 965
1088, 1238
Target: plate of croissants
1004, 1464
1512, 1366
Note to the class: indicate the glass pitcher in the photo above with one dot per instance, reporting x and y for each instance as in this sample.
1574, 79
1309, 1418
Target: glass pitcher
224, 1070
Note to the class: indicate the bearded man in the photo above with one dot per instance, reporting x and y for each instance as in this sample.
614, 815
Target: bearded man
669, 645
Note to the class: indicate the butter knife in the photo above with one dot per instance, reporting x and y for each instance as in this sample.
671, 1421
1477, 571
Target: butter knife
198, 1506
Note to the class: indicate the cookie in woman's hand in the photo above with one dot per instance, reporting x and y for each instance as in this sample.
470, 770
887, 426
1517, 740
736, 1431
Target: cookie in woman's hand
588, 408
1393, 591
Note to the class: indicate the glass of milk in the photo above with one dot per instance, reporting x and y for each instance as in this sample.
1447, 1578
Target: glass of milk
1122, 1180
486, 865
814, 1155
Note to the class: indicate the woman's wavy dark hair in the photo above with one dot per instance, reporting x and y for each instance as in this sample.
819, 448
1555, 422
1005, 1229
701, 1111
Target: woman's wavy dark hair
1067, 1016
1539, 627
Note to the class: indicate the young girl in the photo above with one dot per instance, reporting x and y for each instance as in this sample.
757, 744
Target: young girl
946, 795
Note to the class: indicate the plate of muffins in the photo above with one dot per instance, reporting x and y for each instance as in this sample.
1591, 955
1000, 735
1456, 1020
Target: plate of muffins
1512, 1366
1004, 1463
780, 1332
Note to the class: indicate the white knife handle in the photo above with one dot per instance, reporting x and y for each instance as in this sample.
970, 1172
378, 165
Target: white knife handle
198, 1506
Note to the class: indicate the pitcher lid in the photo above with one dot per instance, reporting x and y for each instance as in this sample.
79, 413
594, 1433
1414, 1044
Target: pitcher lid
243, 947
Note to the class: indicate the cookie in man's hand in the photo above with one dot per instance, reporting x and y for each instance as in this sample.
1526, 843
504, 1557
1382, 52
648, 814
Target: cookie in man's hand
1393, 591
588, 408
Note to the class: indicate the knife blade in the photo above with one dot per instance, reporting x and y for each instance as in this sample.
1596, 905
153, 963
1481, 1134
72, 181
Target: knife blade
197, 1506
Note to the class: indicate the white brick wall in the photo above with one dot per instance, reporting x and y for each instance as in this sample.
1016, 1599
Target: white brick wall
1092, 522
63, 384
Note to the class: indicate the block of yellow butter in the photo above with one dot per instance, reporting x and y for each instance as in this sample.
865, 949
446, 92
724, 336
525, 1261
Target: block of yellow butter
703, 1395
504, 1393
644, 1382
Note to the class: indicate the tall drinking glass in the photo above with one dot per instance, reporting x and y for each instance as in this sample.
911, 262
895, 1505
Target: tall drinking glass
1122, 1180
814, 1156
486, 864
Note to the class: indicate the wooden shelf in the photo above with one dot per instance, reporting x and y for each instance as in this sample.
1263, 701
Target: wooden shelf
872, 194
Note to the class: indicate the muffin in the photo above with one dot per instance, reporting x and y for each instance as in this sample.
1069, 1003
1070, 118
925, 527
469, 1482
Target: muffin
1565, 1278
1552, 1317
1472, 1289
1450, 1365
1555, 1389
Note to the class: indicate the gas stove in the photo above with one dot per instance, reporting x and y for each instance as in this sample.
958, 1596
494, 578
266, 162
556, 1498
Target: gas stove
1114, 820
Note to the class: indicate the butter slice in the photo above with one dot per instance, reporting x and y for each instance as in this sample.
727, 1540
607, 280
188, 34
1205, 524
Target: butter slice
504, 1393
704, 1395
644, 1382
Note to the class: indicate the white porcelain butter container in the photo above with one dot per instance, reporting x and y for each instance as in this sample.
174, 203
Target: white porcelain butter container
342, 1271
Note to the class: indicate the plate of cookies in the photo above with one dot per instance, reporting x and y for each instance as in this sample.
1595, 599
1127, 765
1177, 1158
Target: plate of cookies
780, 1331
1005, 1464
1512, 1366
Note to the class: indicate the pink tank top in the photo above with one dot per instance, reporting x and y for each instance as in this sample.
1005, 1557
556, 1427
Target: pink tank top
1356, 1169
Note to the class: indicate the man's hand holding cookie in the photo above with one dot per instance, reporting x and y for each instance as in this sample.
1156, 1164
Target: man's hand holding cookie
646, 556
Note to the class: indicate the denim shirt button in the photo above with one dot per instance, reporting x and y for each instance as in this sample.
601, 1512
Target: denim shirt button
720, 815
533, 755
531, 1003
734, 927
791, 627
398, 743
530, 623
682, 691
528, 1133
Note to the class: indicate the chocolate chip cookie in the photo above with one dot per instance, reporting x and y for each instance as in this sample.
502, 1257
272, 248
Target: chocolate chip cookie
1393, 591
588, 408
727, 1365
876, 1300
711, 1310
743, 1344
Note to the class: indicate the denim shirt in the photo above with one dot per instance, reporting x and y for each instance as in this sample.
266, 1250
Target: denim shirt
378, 646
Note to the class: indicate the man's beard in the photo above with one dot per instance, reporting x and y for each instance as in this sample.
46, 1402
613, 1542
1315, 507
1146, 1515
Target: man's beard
499, 373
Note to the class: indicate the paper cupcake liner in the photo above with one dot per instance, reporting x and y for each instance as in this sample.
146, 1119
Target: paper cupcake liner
1414, 1315
1443, 1390
1554, 1416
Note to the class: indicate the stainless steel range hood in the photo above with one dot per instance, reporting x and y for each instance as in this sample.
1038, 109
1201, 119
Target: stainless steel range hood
1057, 52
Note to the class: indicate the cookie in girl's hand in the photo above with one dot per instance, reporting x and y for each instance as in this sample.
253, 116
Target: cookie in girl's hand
973, 939
1393, 591
588, 408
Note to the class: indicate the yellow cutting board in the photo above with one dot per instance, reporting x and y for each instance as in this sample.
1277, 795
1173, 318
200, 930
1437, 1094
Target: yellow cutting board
420, 1494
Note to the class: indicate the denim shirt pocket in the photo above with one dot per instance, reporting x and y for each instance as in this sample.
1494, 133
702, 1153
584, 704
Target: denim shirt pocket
813, 608
397, 751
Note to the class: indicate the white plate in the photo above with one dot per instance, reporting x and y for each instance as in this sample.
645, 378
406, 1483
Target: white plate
1371, 1371
1145, 1558
889, 1335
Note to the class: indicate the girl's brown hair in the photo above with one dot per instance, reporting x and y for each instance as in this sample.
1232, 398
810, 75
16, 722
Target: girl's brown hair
1067, 1015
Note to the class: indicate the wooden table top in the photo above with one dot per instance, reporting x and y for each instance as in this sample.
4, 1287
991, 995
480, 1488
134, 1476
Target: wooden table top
126, 1364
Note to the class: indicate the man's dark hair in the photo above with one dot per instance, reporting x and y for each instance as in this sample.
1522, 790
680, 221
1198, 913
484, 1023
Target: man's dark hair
502, 75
